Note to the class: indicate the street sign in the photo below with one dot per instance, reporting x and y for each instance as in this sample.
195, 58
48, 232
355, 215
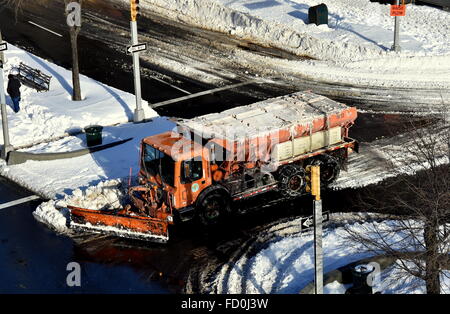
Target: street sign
308, 222
398, 10
136, 48
3, 46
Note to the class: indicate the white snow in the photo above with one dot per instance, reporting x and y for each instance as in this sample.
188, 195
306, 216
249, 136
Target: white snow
107, 194
424, 30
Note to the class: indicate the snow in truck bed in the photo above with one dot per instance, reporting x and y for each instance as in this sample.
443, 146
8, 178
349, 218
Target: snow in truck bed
265, 116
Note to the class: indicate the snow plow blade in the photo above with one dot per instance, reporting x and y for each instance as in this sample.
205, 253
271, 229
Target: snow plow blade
118, 224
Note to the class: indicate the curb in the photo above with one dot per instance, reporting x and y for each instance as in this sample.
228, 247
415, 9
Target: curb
15, 157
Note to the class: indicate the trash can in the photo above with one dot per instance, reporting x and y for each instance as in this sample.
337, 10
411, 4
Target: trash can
93, 135
318, 14
360, 274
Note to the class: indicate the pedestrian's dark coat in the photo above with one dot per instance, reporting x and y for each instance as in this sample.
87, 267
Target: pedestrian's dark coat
13, 87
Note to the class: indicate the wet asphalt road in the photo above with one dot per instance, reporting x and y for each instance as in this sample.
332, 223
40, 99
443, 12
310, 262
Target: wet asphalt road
33, 259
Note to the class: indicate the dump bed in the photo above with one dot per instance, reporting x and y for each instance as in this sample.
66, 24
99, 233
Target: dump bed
296, 114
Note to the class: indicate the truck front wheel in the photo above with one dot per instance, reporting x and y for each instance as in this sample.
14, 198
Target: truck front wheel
212, 208
292, 181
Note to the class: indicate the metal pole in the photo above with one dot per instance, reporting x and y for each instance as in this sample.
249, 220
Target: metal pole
314, 172
6, 144
396, 45
139, 112
318, 251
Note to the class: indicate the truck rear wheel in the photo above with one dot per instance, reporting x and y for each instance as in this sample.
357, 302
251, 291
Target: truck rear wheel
212, 208
329, 168
292, 181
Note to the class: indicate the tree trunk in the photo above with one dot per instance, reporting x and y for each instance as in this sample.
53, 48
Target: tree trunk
76, 95
432, 272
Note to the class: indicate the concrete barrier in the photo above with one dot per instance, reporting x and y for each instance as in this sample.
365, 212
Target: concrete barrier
15, 157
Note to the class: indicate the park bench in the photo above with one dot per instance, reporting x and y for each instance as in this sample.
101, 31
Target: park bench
33, 78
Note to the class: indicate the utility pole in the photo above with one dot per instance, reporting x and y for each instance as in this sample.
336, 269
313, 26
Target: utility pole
7, 147
139, 112
314, 189
396, 45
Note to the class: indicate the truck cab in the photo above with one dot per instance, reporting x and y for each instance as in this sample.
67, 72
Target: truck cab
177, 167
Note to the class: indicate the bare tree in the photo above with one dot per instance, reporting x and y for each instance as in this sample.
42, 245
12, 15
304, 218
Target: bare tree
420, 194
74, 31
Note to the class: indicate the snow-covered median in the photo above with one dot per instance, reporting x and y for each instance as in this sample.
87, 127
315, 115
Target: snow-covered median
108, 194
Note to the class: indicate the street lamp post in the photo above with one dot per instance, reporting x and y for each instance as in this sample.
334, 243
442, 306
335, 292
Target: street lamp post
139, 112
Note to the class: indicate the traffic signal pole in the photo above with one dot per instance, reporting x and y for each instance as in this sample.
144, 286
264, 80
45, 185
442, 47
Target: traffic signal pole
314, 172
7, 147
139, 115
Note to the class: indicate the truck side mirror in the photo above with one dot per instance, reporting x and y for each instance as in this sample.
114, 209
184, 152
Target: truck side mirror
187, 171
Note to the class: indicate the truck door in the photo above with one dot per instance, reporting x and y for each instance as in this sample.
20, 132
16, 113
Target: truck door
193, 179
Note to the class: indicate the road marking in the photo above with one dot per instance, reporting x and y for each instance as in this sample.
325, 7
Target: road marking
211, 91
19, 201
173, 86
46, 29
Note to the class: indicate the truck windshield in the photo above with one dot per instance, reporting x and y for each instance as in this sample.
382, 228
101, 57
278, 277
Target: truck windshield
156, 162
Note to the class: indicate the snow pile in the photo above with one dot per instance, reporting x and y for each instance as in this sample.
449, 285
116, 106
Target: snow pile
54, 213
356, 30
424, 30
48, 115
351, 50
213, 15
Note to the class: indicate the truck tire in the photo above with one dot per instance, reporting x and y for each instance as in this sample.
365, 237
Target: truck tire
213, 206
329, 168
292, 181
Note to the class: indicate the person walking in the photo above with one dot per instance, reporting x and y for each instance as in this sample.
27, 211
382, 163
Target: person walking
14, 91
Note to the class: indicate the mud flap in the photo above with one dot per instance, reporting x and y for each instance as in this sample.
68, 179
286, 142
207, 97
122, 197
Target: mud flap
122, 225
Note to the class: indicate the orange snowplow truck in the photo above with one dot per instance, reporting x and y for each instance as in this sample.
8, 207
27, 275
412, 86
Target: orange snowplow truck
201, 168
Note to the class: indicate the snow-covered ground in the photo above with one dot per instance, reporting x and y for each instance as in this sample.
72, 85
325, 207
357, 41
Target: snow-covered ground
424, 30
353, 49
281, 260
48, 115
